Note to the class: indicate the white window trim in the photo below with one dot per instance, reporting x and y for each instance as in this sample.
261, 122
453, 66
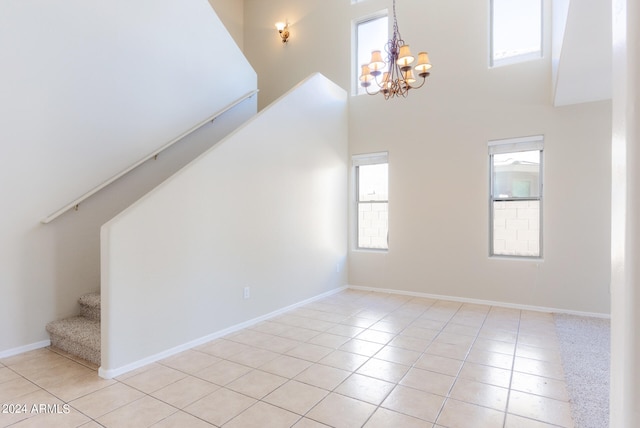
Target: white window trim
522, 144
370, 159
512, 145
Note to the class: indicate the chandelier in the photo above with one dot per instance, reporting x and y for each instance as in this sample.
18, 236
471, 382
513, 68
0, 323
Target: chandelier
399, 78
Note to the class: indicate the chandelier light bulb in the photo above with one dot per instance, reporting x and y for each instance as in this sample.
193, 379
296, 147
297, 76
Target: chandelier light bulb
377, 63
404, 57
423, 63
366, 76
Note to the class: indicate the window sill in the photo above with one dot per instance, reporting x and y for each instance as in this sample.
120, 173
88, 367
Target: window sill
370, 250
518, 258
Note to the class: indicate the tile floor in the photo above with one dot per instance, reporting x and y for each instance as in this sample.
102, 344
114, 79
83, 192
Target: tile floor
353, 359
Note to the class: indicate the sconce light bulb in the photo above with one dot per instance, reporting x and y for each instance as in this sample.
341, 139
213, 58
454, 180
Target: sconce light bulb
283, 30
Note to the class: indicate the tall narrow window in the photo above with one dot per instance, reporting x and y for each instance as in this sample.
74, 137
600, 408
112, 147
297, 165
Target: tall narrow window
516, 31
371, 33
372, 200
516, 197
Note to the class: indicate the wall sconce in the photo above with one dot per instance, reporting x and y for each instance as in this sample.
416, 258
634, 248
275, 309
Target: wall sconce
283, 29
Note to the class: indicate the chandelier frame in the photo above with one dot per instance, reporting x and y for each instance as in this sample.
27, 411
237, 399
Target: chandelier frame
399, 78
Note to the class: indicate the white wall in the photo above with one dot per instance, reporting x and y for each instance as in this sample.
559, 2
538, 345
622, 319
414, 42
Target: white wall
265, 208
625, 231
436, 139
88, 89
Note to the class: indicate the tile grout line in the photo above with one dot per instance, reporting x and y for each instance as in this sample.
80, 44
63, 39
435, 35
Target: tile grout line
513, 365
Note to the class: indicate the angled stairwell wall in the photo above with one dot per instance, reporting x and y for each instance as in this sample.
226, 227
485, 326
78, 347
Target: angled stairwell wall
86, 90
266, 208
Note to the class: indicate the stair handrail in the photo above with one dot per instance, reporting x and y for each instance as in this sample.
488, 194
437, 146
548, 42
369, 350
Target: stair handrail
76, 202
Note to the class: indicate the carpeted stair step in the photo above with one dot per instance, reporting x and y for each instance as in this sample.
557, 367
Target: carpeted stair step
90, 306
79, 336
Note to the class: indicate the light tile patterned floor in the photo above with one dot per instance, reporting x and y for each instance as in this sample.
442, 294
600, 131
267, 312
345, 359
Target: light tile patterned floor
353, 359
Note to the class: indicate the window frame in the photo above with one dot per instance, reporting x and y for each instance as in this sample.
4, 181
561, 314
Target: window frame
515, 59
363, 160
515, 145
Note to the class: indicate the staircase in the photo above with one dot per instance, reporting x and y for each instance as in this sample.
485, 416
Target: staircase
80, 335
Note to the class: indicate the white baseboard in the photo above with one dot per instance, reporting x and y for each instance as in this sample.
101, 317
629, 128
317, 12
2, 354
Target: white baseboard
482, 302
111, 373
26, 348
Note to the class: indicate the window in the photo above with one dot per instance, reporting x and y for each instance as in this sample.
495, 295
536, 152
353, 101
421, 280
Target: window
372, 194
516, 31
371, 33
516, 197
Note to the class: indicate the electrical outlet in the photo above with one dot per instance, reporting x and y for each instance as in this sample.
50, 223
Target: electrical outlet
246, 292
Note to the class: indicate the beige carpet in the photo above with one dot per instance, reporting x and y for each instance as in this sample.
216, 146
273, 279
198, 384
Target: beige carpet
585, 347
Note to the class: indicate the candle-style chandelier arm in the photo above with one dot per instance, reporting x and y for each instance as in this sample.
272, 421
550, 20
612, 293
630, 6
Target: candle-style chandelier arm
393, 86
399, 78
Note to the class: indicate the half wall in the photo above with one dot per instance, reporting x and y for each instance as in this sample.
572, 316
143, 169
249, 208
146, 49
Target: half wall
266, 208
